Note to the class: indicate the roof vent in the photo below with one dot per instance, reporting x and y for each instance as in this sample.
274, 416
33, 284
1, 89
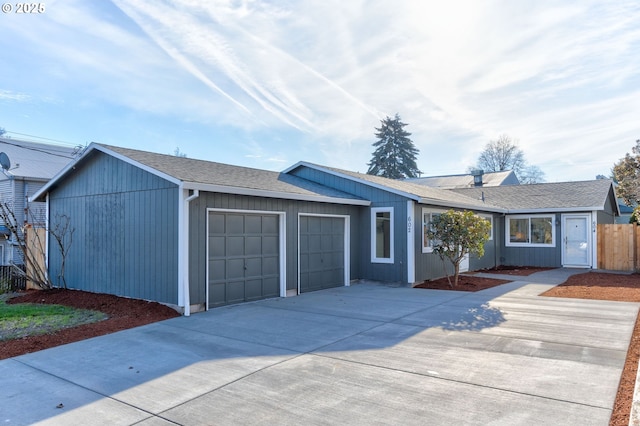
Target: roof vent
477, 177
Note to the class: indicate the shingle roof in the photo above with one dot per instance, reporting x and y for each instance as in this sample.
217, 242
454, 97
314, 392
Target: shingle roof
466, 181
203, 172
35, 160
420, 193
583, 195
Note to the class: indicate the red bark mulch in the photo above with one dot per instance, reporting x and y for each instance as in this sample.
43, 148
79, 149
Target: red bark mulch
123, 313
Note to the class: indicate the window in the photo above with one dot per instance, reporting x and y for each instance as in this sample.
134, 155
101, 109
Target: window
382, 235
427, 218
490, 219
533, 231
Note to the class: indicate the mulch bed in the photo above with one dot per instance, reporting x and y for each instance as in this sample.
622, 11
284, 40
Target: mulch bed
465, 283
123, 313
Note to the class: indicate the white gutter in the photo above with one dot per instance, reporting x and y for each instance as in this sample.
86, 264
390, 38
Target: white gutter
183, 248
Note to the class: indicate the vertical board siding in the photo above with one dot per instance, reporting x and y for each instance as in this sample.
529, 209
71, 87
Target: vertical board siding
126, 231
396, 272
291, 208
429, 266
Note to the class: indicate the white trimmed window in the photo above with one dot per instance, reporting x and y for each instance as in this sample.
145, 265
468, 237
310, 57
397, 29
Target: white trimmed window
490, 219
382, 235
427, 218
531, 231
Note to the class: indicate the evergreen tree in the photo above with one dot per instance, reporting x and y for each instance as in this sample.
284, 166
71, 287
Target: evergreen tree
626, 173
395, 154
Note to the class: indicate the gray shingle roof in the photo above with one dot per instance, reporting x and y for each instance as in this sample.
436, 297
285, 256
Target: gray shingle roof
466, 181
210, 173
584, 195
420, 193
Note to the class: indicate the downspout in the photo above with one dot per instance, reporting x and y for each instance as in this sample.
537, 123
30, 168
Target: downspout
184, 240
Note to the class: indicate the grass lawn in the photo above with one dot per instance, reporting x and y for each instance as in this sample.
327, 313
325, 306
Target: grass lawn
30, 319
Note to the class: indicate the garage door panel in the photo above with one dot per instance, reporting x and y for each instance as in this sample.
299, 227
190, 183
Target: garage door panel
235, 291
271, 287
253, 267
216, 224
304, 262
314, 245
322, 252
235, 268
253, 289
217, 270
270, 245
315, 263
253, 225
270, 225
253, 246
235, 246
270, 265
216, 246
217, 292
326, 242
244, 253
234, 224
314, 225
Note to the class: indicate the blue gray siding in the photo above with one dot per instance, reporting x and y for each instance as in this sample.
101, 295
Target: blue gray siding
429, 266
208, 200
532, 256
396, 272
126, 230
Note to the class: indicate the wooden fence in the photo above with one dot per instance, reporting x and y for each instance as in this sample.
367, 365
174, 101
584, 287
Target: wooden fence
35, 239
619, 247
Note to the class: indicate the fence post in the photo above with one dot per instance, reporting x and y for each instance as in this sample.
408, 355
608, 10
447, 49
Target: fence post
635, 247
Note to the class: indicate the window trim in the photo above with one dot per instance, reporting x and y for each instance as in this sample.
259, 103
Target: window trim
429, 249
374, 235
426, 248
488, 217
507, 225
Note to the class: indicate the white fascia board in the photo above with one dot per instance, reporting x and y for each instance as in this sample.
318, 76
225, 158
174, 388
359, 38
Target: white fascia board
62, 173
273, 194
97, 147
555, 210
355, 179
446, 204
135, 163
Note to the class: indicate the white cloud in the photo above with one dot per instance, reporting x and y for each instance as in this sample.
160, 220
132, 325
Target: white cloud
9, 95
560, 77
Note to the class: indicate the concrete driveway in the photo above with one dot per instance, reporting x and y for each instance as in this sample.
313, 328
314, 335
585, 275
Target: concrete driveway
365, 354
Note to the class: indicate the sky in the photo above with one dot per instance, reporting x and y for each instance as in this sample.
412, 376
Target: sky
266, 84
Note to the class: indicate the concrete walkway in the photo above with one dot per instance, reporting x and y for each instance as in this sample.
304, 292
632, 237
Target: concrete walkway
365, 354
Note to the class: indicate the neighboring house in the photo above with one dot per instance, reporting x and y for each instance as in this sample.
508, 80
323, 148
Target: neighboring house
30, 165
476, 178
625, 212
199, 234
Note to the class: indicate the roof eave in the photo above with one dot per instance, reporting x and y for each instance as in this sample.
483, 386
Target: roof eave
556, 210
443, 203
39, 195
354, 179
274, 194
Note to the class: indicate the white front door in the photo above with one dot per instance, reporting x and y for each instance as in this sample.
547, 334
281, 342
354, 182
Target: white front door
576, 241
